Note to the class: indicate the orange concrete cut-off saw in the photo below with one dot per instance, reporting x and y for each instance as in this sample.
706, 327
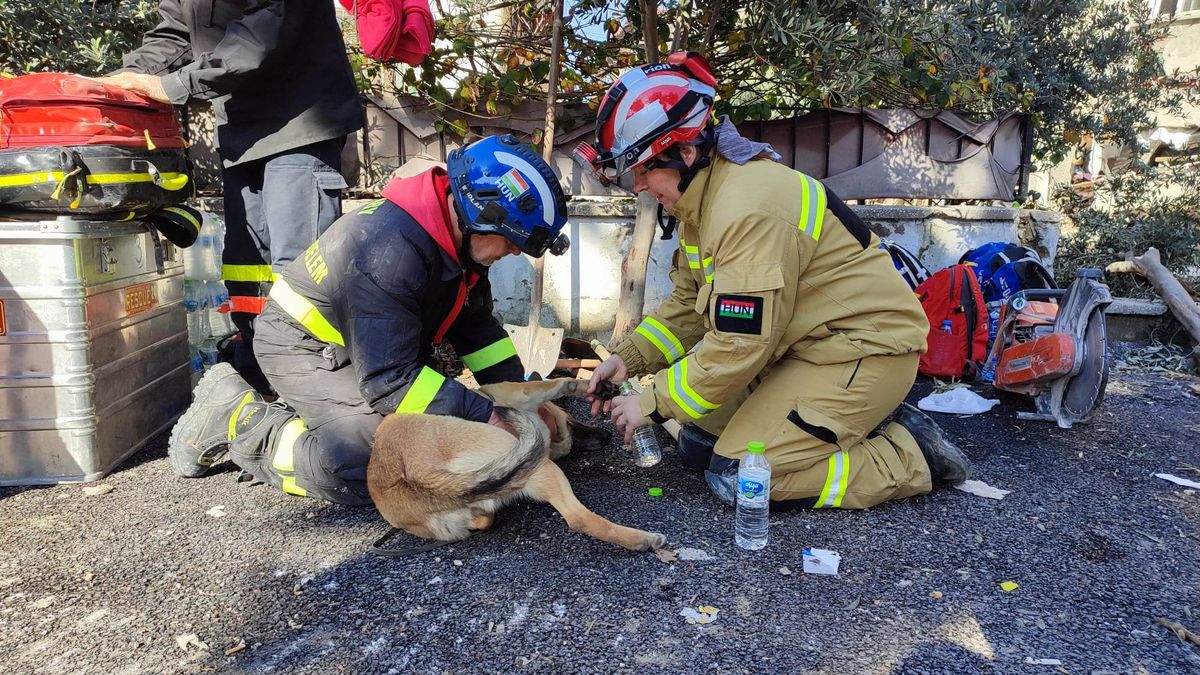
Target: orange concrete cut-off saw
1052, 345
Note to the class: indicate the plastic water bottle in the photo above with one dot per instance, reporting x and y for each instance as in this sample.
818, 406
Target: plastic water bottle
646, 451
218, 297
197, 364
753, 499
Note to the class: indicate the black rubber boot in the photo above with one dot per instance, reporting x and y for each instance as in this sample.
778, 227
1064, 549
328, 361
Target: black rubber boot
201, 437
721, 476
947, 464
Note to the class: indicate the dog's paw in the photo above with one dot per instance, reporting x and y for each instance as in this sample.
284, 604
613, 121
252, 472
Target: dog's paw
654, 541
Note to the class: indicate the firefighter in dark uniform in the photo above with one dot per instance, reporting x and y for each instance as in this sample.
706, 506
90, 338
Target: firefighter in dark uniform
786, 325
283, 100
351, 325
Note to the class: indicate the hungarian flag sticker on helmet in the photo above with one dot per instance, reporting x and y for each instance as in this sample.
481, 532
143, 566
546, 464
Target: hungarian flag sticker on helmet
513, 185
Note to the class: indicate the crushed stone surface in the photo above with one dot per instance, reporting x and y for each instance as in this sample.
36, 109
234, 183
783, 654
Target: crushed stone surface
144, 579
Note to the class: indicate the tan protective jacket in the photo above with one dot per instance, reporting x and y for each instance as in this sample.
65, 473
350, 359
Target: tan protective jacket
770, 266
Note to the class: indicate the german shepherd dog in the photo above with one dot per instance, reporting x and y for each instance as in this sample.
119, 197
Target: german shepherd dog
442, 477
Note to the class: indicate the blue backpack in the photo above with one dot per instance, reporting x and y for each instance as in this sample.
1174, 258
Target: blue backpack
907, 264
1004, 269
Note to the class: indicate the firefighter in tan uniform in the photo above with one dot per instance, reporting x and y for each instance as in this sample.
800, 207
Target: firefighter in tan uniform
786, 324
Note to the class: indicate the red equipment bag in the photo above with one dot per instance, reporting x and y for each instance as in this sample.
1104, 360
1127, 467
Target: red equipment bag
72, 145
958, 326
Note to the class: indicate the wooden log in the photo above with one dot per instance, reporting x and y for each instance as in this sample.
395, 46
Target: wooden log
571, 364
1174, 295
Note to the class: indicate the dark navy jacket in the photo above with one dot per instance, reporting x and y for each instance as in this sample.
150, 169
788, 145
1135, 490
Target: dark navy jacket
383, 283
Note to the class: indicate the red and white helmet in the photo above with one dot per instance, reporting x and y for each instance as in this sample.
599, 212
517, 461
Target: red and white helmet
651, 108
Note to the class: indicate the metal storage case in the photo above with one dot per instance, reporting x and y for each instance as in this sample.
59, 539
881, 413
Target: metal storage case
93, 346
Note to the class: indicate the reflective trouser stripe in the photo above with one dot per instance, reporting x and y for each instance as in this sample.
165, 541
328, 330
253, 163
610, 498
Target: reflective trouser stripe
305, 313
257, 273
812, 206
490, 355
422, 391
682, 393
835, 481
247, 304
183, 213
660, 336
238, 411
284, 459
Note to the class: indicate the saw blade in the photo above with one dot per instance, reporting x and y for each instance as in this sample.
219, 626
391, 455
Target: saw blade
1082, 393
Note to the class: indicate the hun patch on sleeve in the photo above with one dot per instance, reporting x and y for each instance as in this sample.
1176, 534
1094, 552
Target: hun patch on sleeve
739, 314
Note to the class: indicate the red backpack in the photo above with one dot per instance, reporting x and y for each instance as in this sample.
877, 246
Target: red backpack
958, 326
72, 145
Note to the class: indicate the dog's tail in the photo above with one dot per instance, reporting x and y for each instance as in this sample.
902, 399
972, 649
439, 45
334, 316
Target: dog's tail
491, 469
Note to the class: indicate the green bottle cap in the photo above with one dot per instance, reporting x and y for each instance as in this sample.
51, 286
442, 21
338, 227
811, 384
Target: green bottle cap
756, 447
654, 492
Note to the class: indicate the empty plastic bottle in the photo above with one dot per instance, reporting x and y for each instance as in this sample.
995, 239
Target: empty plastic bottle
753, 499
646, 451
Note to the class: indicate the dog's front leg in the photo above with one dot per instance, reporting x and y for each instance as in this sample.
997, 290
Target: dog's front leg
549, 484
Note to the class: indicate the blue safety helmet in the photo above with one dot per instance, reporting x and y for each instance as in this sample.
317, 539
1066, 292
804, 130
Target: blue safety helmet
502, 187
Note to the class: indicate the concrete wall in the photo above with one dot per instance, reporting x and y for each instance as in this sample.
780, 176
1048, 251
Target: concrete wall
581, 287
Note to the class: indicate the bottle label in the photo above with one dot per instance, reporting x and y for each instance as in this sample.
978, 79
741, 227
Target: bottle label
750, 489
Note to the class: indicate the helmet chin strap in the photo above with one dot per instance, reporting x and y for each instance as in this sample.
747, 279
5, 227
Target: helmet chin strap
672, 158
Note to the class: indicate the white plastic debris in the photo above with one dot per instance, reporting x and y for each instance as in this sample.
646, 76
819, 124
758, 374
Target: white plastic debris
700, 615
693, 554
1177, 480
821, 561
1042, 662
217, 511
190, 640
981, 489
958, 401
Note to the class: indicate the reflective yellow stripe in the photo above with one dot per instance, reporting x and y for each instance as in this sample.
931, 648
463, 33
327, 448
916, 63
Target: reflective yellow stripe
183, 213
659, 336
305, 313
692, 253
32, 178
238, 411
835, 481
170, 180
707, 265
258, 273
167, 181
812, 206
820, 208
682, 393
421, 392
284, 459
490, 355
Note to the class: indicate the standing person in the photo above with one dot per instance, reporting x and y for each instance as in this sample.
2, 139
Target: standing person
349, 331
284, 99
786, 324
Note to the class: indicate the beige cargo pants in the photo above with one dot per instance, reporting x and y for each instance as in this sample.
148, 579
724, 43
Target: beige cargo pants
815, 421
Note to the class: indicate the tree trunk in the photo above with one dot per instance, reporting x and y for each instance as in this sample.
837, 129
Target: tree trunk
539, 263
1176, 297
650, 30
633, 270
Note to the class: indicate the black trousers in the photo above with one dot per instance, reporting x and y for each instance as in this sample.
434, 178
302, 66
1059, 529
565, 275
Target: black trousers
321, 386
275, 208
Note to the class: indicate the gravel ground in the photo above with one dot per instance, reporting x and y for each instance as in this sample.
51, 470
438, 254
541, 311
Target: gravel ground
148, 578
